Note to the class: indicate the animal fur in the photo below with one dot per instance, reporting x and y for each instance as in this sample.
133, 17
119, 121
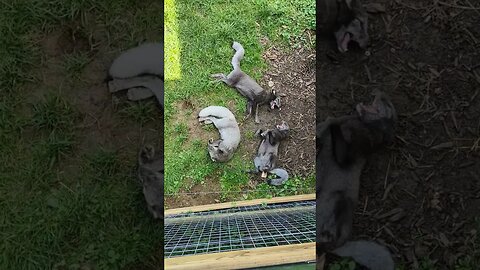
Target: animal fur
346, 19
247, 86
140, 70
221, 150
151, 174
343, 145
267, 154
144, 59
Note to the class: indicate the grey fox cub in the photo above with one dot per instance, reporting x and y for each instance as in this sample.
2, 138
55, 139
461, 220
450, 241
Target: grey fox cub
247, 86
151, 173
343, 144
347, 19
267, 154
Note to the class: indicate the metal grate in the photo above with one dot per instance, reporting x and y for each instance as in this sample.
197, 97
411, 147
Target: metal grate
239, 228
250, 208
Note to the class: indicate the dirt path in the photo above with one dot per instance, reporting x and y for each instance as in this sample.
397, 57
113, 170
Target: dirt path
422, 194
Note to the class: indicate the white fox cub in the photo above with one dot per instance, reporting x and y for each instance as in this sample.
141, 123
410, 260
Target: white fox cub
140, 70
144, 59
221, 150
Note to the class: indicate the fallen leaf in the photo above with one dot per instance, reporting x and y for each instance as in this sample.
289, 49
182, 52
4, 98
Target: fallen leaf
397, 216
443, 145
390, 213
435, 72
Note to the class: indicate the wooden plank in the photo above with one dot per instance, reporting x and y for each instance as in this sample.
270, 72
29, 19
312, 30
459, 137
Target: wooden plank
241, 259
218, 206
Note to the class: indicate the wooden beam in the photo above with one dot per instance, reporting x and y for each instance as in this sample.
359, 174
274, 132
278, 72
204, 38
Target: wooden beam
241, 259
218, 206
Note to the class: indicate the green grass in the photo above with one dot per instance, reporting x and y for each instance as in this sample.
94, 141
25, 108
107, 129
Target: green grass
199, 35
140, 112
294, 185
63, 207
181, 133
75, 63
53, 121
55, 113
345, 264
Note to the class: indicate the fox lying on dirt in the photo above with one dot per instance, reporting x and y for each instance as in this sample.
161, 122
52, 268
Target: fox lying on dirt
343, 145
347, 20
267, 154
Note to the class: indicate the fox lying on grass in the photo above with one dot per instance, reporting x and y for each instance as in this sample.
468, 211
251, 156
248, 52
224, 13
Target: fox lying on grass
140, 71
221, 150
247, 86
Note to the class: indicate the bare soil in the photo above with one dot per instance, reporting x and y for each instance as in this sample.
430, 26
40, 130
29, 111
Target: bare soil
420, 195
292, 76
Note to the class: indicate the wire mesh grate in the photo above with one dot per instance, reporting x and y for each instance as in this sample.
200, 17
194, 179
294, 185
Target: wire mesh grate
239, 228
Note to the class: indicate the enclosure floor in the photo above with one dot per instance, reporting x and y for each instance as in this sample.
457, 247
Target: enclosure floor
240, 228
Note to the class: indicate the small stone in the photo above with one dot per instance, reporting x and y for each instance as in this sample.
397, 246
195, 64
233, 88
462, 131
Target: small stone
270, 83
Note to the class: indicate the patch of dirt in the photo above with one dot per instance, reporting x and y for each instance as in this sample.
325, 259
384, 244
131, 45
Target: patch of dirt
70, 38
100, 124
420, 195
206, 193
187, 113
292, 75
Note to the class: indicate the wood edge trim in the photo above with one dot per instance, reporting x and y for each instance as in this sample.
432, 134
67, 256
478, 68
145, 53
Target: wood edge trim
219, 206
241, 259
